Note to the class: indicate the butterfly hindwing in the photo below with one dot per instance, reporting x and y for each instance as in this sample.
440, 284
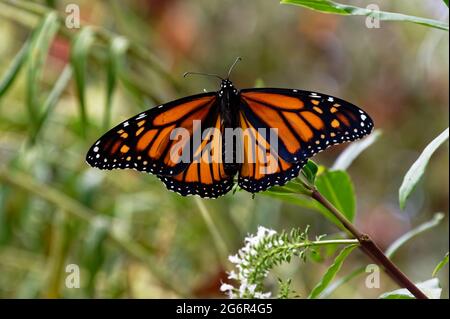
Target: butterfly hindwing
206, 175
263, 167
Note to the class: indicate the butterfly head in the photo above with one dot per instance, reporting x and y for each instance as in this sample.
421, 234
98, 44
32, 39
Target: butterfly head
227, 88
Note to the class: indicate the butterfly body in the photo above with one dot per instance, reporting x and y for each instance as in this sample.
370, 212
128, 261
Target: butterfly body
264, 135
228, 97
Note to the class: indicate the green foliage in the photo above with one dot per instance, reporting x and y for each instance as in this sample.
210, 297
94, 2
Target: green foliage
390, 252
64, 187
52, 99
81, 44
116, 52
328, 6
14, 68
337, 187
295, 186
285, 290
441, 265
430, 288
310, 172
37, 54
93, 253
416, 171
331, 272
78, 210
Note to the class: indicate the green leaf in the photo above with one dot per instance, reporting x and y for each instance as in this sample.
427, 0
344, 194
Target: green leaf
14, 67
328, 6
430, 288
337, 187
285, 291
417, 170
441, 264
53, 97
37, 54
446, 2
294, 198
117, 48
331, 272
437, 218
353, 150
293, 187
310, 171
341, 281
80, 49
94, 252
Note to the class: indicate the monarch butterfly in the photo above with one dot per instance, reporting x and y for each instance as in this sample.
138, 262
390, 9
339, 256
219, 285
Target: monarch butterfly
282, 129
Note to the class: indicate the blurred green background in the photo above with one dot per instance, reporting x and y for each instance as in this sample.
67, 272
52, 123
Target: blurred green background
130, 237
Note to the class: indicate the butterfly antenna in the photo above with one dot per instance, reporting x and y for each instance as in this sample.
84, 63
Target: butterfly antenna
233, 65
204, 74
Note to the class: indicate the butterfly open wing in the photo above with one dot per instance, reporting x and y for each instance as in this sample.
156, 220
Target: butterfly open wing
305, 123
144, 142
152, 142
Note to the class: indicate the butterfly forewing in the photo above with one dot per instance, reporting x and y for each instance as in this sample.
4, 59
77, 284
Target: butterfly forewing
307, 122
146, 142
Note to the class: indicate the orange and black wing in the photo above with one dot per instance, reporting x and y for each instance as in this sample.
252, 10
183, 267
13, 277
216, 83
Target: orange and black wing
153, 142
146, 141
303, 124
262, 166
206, 175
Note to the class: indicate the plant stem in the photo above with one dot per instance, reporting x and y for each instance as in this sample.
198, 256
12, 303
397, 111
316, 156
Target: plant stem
369, 247
221, 248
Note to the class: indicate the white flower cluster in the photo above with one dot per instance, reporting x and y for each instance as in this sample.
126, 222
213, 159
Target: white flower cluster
246, 261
